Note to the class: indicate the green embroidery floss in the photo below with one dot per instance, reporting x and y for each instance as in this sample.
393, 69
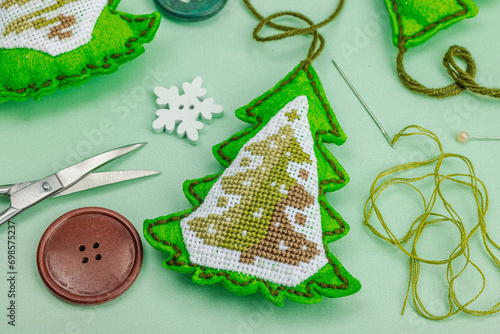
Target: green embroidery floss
416, 21
467, 180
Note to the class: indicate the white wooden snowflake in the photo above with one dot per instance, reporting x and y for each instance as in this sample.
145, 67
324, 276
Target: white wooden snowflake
184, 110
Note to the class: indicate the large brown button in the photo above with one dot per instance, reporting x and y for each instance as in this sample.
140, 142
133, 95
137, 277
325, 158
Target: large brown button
89, 256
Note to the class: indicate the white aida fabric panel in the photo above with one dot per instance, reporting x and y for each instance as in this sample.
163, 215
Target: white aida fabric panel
51, 26
255, 219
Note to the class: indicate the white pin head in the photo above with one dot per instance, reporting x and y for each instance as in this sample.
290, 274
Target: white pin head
463, 136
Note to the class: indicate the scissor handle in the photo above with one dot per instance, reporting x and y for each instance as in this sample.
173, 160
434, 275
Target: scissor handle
8, 214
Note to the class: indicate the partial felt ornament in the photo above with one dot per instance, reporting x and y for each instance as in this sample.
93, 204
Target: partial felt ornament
415, 21
54, 28
45, 46
181, 112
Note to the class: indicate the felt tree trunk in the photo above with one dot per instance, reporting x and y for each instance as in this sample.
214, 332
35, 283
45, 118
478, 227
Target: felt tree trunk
264, 223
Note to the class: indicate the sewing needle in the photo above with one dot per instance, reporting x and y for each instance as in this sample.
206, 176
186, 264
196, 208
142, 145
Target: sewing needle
387, 137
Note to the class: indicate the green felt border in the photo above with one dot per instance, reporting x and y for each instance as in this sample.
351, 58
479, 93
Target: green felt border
117, 38
333, 280
400, 39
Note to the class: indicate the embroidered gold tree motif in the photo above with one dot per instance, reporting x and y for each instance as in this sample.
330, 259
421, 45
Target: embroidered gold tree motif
258, 224
34, 19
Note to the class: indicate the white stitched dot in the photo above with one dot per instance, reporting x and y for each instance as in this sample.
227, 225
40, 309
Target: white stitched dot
211, 229
259, 213
248, 183
282, 246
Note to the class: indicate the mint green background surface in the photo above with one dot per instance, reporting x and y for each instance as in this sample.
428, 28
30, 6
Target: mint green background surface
38, 138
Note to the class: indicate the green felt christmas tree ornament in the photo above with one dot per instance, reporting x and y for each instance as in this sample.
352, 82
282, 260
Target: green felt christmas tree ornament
264, 223
416, 21
45, 46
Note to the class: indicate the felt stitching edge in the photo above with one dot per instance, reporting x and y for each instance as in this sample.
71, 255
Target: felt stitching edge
201, 270
402, 40
338, 233
38, 90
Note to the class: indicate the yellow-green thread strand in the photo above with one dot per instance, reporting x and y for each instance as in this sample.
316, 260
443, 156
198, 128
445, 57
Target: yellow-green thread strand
467, 179
463, 80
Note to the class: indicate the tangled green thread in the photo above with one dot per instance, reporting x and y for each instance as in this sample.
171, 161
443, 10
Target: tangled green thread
469, 181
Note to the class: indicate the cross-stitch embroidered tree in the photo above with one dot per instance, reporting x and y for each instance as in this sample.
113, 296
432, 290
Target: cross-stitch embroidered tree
265, 191
264, 223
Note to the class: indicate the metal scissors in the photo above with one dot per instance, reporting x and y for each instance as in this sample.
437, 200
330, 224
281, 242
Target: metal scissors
69, 180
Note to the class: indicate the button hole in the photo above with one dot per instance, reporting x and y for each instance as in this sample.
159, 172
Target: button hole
98, 257
95, 245
85, 259
81, 248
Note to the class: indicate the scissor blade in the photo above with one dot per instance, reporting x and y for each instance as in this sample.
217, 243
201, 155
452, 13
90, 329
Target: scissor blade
73, 174
101, 179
